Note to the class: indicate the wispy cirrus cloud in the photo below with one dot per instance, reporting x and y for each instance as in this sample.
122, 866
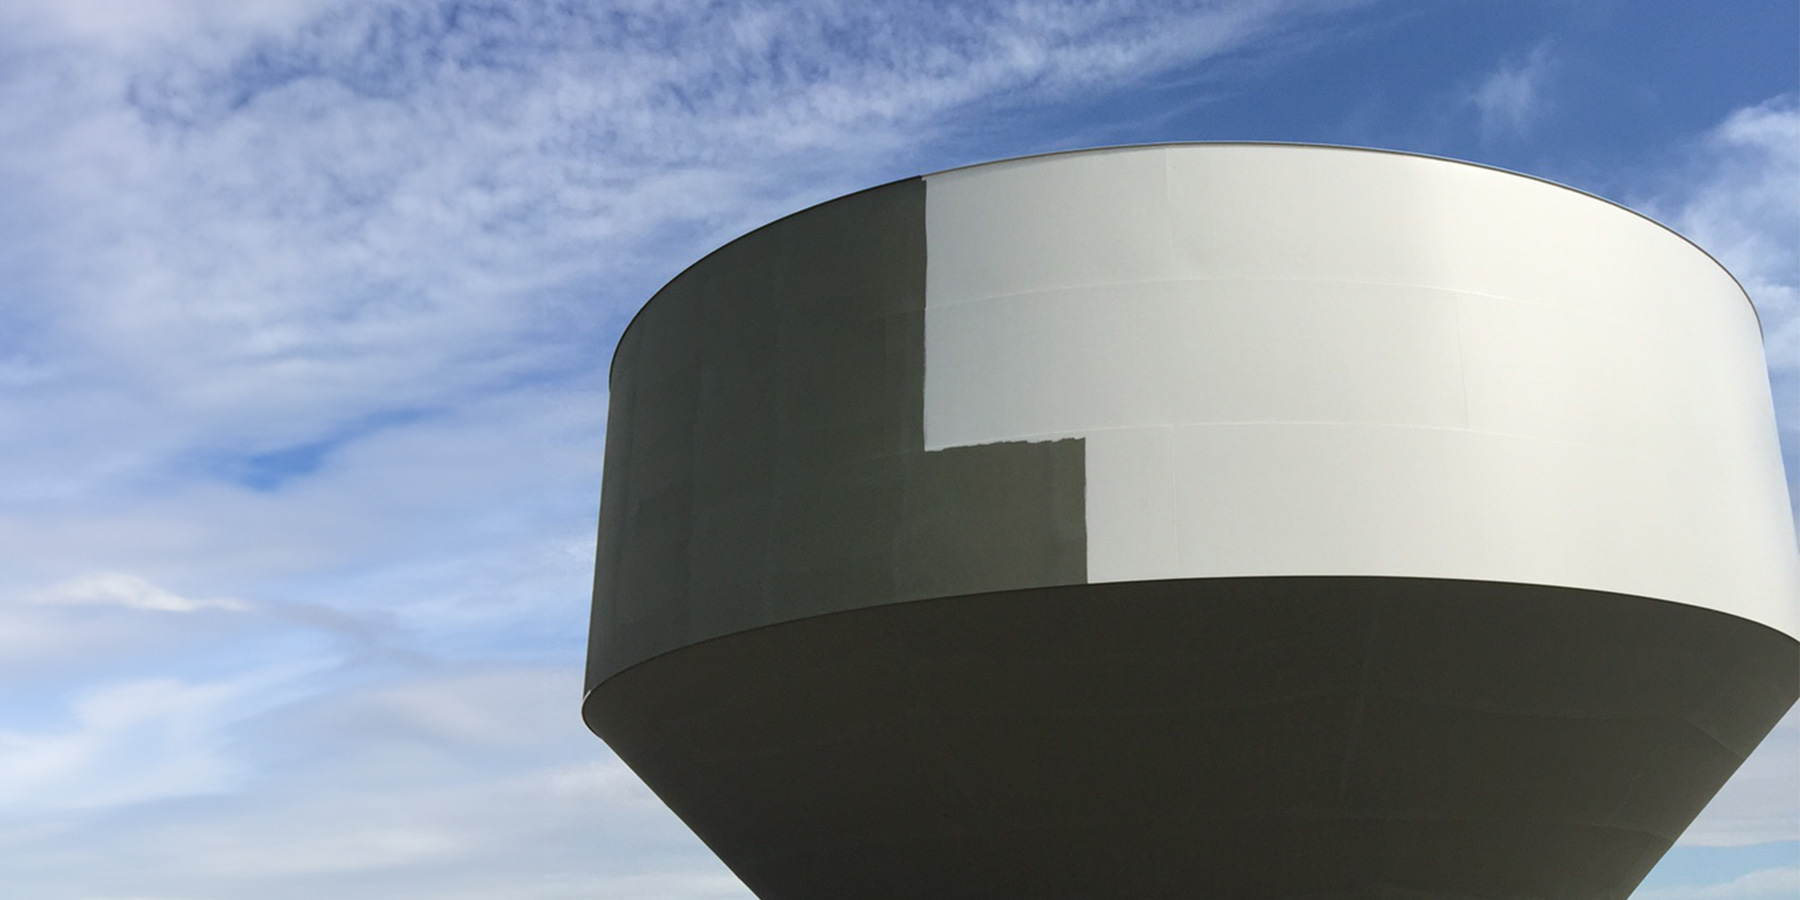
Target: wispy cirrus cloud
1767, 884
442, 781
306, 305
247, 240
304, 314
125, 590
1514, 96
134, 741
1738, 196
1740, 199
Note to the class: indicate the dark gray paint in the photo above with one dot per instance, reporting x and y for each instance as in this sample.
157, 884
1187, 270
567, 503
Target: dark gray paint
765, 449
1235, 738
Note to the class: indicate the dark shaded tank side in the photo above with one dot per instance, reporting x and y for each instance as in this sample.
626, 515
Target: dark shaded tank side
765, 455
1233, 738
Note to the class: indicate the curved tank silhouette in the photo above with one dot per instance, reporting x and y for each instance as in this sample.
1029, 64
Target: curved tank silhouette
1247, 521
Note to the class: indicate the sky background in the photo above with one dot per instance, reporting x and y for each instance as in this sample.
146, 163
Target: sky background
305, 310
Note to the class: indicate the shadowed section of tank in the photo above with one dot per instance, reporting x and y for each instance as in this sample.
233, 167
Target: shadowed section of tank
765, 440
1260, 737
1241, 521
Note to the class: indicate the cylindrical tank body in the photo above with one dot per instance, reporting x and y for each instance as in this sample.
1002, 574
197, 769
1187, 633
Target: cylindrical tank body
1226, 519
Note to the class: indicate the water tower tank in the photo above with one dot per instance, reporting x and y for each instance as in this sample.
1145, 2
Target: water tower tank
1229, 520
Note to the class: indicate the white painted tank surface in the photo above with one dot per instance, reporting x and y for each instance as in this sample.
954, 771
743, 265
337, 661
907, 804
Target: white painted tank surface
1293, 521
1314, 361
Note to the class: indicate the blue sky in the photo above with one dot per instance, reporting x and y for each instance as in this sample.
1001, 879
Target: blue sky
305, 309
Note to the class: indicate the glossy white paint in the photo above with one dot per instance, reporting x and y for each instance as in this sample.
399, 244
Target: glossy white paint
1291, 360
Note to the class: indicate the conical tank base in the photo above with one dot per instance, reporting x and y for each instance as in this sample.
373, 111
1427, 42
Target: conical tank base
1227, 738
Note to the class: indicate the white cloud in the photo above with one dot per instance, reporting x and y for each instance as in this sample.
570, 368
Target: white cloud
1739, 198
121, 25
1510, 100
126, 590
135, 741
241, 245
1768, 884
441, 780
53, 649
308, 304
484, 499
1741, 201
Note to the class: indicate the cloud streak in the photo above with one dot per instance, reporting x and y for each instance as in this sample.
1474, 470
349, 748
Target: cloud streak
1738, 196
1768, 884
1513, 97
126, 590
251, 241
1743, 205
304, 310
